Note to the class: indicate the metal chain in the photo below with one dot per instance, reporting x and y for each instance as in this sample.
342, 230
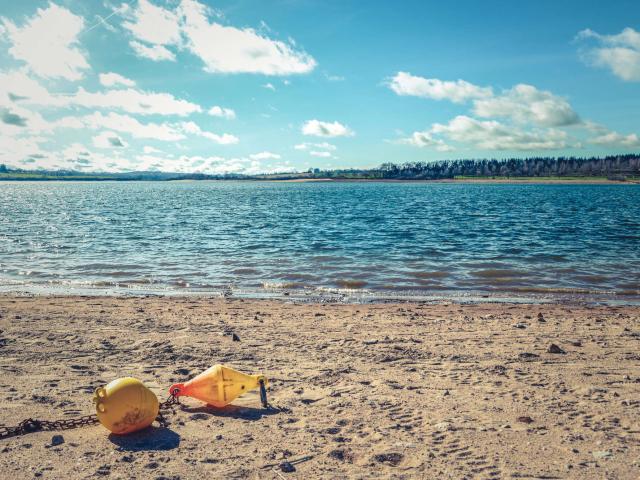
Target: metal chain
31, 425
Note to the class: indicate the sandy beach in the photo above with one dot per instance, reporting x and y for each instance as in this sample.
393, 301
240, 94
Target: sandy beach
361, 391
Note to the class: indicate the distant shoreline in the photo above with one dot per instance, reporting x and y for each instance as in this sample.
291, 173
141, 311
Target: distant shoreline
478, 180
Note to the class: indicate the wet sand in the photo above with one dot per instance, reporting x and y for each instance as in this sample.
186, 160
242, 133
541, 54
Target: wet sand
363, 391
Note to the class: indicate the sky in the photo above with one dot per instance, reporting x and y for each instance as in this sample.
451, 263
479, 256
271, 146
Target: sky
272, 86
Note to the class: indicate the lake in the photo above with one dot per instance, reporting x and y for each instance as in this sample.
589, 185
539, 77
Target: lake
379, 238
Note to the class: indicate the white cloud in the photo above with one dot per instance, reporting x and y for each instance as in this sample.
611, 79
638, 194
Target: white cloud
326, 129
194, 129
269, 86
17, 86
153, 24
617, 140
226, 49
19, 151
320, 154
425, 139
48, 43
323, 146
217, 111
264, 156
124, 124
404, 83
147, 149
134, 101
27, 91
154, 52
620, 53
493, 135
112, 79
109, 140
525, 103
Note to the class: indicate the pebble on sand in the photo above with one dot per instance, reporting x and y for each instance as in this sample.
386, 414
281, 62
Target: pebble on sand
553, 348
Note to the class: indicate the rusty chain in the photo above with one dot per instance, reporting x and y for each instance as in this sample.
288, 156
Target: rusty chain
31, 425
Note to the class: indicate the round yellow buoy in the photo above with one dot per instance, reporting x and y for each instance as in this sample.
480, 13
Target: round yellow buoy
125, 405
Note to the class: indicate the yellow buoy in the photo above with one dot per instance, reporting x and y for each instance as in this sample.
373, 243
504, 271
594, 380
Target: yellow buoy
218, 385
125, 405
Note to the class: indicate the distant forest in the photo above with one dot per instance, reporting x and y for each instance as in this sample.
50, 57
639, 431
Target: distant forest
618, 167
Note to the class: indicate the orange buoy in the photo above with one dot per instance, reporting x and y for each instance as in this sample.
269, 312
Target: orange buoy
125, 405
219, 386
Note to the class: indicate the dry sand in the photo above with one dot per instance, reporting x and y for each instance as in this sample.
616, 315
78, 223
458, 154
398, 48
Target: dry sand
366, 391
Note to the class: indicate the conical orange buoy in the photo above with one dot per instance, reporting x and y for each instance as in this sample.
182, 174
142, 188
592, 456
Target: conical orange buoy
219, 386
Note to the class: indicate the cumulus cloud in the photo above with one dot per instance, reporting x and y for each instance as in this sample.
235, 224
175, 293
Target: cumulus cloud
522, 110
194, 129
458, 91
525, 103
616, 140
48, 43
226, 49
264, 156
326, 129
109, 140
217, 111
493, 135
113, 79
158, 31
153, 52
620, 53
425, 139
153, 24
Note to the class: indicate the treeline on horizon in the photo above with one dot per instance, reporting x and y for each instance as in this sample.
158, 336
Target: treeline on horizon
615, 167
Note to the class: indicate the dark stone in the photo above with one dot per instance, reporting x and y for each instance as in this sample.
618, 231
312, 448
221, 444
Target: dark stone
528, 356
553, 348
525, 419
541, 317
337, 454
235, 337
57, 440
287, 467
392, 458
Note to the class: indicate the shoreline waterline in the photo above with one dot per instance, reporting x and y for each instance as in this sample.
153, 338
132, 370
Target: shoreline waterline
330, 295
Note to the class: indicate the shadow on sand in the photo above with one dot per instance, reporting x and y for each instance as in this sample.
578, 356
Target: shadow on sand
149, 439
232, 411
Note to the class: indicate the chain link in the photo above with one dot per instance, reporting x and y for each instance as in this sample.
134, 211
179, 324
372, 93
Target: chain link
31, 425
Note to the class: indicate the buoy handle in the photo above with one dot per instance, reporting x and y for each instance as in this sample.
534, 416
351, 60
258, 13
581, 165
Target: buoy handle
176, 389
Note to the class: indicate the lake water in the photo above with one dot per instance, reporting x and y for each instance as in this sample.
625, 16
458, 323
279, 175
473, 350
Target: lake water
370, 238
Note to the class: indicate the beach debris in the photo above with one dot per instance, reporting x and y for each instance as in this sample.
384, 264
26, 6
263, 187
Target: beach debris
220, 385
519, 325
553, 348
57, 440
125, 405
525, 419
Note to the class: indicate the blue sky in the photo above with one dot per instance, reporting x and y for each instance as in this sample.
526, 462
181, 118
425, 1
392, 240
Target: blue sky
248, 86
